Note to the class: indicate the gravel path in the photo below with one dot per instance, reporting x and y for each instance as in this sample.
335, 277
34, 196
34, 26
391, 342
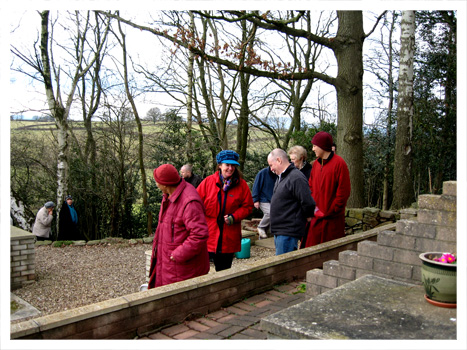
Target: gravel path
75, 276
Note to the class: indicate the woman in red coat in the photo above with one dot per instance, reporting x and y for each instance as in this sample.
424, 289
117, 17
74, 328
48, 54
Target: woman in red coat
227, 199
330, 188
179, 248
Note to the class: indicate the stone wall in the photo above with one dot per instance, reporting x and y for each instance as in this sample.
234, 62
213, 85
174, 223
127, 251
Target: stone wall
359, 220
22, 258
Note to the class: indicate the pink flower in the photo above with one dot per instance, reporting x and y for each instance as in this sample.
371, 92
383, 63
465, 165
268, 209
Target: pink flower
446, 258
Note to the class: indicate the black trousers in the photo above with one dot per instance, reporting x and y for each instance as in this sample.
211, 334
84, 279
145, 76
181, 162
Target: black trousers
222, 261
38, 238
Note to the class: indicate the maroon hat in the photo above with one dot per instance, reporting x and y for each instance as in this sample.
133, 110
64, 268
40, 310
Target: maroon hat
323, 140
166, 175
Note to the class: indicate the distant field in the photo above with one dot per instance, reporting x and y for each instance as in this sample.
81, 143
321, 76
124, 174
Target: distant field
257, 140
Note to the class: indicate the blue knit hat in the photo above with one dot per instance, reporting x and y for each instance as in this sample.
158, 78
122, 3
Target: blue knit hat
227, 156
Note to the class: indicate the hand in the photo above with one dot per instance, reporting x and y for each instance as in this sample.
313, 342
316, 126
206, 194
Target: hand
256, 204
229, 219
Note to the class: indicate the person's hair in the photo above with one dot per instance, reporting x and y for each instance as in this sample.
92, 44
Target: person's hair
279, 153
188, 167
299, 151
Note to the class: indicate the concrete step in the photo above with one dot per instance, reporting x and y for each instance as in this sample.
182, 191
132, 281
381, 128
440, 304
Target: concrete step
367, 308
266, 242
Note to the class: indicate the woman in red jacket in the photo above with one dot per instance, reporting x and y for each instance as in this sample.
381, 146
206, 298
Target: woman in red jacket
227, 199
179, 248
330, 188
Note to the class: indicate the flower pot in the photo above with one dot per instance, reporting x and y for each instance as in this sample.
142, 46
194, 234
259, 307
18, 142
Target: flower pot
439, 280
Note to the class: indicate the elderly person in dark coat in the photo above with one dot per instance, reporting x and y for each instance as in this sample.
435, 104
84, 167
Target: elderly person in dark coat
186, 172
298, 157
68, 221
291, 204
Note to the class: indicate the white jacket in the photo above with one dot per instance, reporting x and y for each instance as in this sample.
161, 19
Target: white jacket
43, 223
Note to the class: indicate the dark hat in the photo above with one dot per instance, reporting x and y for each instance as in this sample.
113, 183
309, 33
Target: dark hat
227, 156
68, 197
323, 140
49, 205
166, 175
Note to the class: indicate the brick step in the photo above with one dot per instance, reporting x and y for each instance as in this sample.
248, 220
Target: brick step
450, 188
437, 217
395, 254
342, 272
437, 202
317, 283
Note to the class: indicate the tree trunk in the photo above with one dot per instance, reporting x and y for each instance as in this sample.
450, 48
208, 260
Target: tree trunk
385, 205
189, 97
349, 88
140, 137
403, 192
58, 112
242, 131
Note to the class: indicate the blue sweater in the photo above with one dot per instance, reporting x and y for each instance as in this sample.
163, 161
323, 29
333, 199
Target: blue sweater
263, 186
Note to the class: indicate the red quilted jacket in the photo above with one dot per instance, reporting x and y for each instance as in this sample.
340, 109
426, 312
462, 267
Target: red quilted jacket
181, 232
238, 203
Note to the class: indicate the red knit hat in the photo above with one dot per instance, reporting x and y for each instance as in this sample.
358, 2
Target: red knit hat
166, 175
323, 140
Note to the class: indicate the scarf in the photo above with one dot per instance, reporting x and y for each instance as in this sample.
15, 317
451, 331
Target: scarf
226, 184
74, 215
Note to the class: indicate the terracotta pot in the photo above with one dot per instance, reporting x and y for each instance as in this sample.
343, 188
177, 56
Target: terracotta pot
439, 280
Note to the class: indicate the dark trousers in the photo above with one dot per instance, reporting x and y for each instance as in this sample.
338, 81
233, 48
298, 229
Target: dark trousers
222, 261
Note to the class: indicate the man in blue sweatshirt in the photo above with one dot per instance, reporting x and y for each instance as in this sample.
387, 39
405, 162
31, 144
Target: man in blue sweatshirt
262, 193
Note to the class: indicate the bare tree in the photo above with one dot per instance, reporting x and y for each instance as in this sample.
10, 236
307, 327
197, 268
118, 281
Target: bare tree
129, 94
403, 192
382, 65
154, 115
46, 64
347, 48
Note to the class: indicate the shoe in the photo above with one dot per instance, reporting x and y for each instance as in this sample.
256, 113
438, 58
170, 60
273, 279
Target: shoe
262, 233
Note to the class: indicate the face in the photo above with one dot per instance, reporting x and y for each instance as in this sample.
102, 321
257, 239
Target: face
69, 201
318, 151
274, 165
162, 188
184, 173
227, 170
296, 160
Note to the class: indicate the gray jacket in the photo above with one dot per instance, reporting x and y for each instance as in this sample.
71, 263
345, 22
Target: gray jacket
42, 225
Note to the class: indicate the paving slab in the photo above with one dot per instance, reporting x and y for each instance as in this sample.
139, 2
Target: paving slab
23, 309
370, 307
266, 242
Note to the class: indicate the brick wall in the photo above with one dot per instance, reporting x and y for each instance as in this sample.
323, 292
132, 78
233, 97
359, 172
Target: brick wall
394, 254
22, 258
